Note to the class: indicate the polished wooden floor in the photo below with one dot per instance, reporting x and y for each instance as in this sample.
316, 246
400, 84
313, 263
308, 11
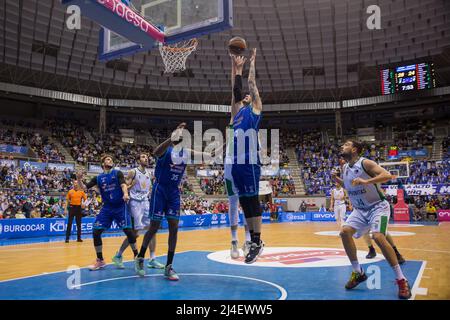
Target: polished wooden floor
430, 244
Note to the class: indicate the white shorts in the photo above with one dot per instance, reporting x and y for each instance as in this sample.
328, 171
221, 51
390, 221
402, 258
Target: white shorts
139, 211
339, 212
229, 182
374, 219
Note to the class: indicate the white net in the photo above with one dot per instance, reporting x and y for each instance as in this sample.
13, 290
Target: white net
175, 56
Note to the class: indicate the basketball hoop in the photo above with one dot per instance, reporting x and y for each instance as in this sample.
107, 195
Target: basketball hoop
175, 56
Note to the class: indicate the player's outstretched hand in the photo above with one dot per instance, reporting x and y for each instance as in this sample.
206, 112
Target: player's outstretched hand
239, 62
178, 132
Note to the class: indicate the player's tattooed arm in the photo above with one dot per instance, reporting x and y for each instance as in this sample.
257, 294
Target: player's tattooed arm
256, 99
175, 136
129, 180
378, 174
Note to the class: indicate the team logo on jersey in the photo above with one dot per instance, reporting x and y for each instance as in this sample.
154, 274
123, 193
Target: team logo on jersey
295, 257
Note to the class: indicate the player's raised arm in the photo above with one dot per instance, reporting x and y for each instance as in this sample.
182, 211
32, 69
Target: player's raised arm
256, 99
175, 136
238, 67
379, 174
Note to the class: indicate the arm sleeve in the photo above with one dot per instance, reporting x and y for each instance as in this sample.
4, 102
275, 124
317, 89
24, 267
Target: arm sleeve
121, 177
92, 183
237, 89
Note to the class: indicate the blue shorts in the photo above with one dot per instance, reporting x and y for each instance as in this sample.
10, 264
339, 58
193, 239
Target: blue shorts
108, 214
164, 202
246, 179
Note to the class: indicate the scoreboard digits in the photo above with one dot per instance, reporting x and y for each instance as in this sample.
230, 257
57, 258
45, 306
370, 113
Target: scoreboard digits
406, 78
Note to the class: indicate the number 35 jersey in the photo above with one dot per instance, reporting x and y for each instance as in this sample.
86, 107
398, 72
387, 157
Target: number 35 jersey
170, 168
362, 197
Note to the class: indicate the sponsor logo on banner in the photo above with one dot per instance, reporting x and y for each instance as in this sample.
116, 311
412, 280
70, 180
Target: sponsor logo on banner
61, 166
419, 189
323, 216
180, 223
1, 228
296, 216
295, 257
223, 219
58, 226
199, 221
30, 165
444, 215
214, 219
13, 228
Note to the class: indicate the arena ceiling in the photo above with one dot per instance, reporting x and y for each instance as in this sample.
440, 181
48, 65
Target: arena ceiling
309, 51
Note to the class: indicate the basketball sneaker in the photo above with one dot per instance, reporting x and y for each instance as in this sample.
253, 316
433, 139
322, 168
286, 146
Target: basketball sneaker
170, 274
355, 279
254, 252
234, 251
246, 247
139, 266
372, 253
99, 264
155, 264
404, 290
117, 260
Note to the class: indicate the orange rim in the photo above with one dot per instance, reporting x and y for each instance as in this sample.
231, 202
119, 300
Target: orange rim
192, 45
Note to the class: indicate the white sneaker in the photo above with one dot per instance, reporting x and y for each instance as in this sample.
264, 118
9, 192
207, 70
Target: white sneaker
234, 251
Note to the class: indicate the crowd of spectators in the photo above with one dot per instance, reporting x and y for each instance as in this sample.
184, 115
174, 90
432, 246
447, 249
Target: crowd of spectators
197, 205
213, 184
282, 185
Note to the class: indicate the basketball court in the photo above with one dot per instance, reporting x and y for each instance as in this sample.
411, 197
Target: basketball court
297, 264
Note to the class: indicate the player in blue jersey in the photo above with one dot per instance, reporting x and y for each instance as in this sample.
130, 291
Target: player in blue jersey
172, 159
114, 193
165, 198
246, 168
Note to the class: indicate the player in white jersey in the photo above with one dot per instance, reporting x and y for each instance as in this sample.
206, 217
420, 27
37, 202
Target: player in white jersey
139, 183
232, 192
337, 205
360, 177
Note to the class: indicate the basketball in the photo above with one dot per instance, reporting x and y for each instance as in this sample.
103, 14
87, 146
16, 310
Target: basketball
237, 45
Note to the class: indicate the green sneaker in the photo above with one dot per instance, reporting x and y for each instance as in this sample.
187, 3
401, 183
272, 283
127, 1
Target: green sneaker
117, 260
155, 264
170, 274
139, 266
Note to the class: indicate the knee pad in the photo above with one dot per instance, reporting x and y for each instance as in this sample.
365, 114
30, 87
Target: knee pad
130, 235
97, 235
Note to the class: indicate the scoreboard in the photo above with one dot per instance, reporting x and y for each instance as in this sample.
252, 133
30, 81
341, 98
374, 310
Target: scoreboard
408, 78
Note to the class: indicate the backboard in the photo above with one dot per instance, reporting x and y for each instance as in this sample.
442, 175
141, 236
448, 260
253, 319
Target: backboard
129, 26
